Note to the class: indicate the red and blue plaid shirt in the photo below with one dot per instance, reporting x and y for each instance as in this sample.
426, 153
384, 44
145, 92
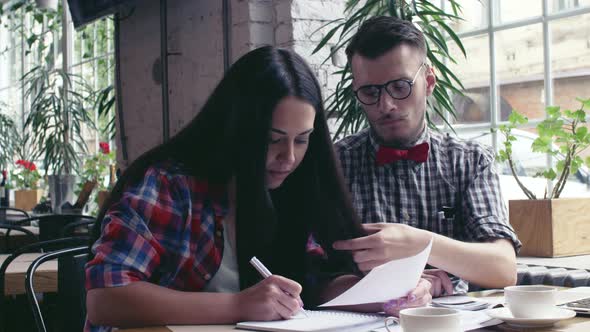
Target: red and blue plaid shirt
167, 229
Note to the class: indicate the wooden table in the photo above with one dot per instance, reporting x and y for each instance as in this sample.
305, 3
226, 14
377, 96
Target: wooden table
576, 324
45, 277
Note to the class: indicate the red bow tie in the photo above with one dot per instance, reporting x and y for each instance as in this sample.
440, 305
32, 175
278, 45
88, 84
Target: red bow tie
418, 153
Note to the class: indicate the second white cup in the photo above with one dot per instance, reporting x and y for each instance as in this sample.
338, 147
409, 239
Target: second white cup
530, 301
427, 319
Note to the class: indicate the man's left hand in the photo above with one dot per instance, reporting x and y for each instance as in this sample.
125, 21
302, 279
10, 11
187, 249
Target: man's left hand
385, 242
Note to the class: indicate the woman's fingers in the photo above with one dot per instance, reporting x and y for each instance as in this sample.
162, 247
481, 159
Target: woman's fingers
286, 303
418, 297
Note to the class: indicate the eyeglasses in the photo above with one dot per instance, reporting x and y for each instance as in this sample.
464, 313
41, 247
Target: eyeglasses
397, 89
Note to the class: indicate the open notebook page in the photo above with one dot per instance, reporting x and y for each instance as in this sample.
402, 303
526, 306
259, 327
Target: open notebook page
320, 321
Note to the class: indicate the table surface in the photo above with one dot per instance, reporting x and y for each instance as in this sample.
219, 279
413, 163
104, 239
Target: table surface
576, 324
45, 277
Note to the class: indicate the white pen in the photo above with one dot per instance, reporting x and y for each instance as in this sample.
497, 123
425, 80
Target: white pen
266, 273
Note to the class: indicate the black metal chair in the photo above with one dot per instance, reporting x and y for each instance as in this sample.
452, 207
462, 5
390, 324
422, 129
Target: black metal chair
71, 292
52, 226
8, 215
72, 228
43, 246
7, 230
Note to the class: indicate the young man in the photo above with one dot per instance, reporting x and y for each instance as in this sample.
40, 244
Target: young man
411, 184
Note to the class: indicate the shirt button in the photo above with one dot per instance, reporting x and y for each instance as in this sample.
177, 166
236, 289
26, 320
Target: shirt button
218, 233
207, 276
405, 215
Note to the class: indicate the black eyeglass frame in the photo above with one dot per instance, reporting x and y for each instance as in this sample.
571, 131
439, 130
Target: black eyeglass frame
383, 86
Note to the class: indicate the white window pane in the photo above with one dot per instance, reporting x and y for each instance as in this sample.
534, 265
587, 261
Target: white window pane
510, 11
570, 62
520, 67
556, 6
473, 14
474, 72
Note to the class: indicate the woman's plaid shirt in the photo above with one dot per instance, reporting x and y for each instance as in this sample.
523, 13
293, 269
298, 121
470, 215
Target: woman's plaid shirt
458, 174
167, 230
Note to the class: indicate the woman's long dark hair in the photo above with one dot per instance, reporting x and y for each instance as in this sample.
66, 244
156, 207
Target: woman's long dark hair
229, 137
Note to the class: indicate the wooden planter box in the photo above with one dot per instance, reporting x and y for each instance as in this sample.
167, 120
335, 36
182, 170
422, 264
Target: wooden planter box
26, 199
552, 228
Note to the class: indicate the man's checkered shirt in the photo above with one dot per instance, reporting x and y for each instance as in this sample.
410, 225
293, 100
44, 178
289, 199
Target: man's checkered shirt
458, 174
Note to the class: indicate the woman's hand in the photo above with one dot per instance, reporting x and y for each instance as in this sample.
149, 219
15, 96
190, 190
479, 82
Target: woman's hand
418, 297
273, 298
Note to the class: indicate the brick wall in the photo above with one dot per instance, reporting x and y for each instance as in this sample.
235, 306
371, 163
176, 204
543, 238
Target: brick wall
195, 38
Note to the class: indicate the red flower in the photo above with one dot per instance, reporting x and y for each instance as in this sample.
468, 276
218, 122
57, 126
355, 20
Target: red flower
32, 167
104, 147
20, 162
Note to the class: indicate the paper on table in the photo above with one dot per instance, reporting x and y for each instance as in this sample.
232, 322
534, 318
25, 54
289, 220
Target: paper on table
389, 281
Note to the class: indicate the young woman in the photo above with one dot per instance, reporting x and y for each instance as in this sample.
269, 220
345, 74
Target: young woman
253, 174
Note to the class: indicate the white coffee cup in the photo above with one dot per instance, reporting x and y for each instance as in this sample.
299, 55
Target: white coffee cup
427, 319
530, 301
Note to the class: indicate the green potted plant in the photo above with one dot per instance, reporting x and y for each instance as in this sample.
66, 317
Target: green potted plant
25, 178
97, 170
431, 19
53, 127
547, 225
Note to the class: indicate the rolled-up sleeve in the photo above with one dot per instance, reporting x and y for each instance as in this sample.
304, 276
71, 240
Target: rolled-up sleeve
485, 209
129, 248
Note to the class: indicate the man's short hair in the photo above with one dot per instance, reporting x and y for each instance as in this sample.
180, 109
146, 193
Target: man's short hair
377, 35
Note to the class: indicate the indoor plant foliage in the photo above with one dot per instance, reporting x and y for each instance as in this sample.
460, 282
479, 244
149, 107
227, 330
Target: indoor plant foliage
9, 140
25, 175
97, 167
46, 19
53, 126
96, 172
431, 19
567, 129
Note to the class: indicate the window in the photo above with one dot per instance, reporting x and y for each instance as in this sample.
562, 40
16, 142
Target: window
525, 59
92, 50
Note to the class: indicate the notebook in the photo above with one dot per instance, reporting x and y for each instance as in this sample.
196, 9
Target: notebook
320, 321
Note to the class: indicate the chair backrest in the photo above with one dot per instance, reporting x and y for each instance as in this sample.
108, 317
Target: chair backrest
71, 228
51, 226
7, 229
71, 292
51, 245
9, 215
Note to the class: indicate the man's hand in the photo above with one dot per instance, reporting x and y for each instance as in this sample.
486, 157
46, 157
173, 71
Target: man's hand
441, 283
384, 243
418, 297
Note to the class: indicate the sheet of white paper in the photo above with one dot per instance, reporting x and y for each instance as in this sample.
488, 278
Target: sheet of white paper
389, 281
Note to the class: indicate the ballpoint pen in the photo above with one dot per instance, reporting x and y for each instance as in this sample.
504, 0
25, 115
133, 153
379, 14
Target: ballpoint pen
266, 273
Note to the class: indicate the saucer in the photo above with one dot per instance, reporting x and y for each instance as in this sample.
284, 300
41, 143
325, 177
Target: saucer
505, 315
